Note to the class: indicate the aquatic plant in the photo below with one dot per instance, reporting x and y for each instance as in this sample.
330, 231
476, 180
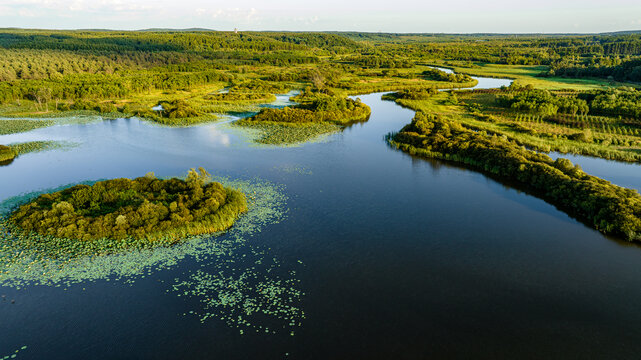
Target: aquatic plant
267, 293
9, 153
38, 146
14, 355
318, 115
288, 134
23, 262
239, 97
294, 169
12, 126
256, 296
411, 94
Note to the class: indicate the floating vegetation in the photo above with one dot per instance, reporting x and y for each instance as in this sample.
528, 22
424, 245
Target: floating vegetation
236, 283
14, 355
320, 109
241, 97
176, 113
20, 266
13, 126
269, 133
294, 169
317, 116
249, 297
38, 146
9, 153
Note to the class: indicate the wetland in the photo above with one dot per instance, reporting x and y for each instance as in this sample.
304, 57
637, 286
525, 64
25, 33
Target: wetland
347, 247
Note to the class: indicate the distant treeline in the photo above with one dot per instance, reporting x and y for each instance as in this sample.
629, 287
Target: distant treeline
625, 71
200, 41
100, 86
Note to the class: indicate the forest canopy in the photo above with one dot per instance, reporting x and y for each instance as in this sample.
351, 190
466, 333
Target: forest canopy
145, 209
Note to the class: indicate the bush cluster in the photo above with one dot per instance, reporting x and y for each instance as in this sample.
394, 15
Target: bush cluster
326, 109
440, 75
144, 208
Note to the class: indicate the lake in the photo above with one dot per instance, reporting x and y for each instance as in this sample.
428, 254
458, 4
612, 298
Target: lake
398, 257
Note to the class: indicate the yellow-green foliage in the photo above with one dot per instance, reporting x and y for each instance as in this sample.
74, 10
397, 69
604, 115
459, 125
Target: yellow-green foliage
7, 153
22, 125
412, 94
325, 109
145, 209
440, 75
609, 208
176, 112
241, 97
601, 136
274, 133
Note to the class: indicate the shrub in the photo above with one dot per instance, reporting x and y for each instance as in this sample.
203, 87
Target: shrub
145, 208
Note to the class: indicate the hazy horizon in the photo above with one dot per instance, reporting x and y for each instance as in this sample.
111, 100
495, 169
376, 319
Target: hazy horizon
322, 31
403, 16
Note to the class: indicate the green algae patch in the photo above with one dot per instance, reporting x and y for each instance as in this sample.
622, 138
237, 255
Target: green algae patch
39, 146
251, 300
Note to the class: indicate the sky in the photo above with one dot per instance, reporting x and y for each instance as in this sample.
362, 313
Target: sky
427, 16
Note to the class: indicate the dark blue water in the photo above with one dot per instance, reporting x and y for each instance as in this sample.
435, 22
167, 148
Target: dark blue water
404, 258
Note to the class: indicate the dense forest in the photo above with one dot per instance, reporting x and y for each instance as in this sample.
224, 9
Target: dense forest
51, 67
604, 67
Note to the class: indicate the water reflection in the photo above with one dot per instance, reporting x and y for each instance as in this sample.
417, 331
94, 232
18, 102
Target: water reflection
395, 253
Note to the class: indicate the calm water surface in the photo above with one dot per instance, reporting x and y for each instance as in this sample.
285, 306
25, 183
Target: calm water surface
404, 258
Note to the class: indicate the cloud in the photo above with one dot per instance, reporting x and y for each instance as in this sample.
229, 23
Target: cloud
230, 14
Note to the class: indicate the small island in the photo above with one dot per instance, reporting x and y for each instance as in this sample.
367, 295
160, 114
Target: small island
142, 212
317, 114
